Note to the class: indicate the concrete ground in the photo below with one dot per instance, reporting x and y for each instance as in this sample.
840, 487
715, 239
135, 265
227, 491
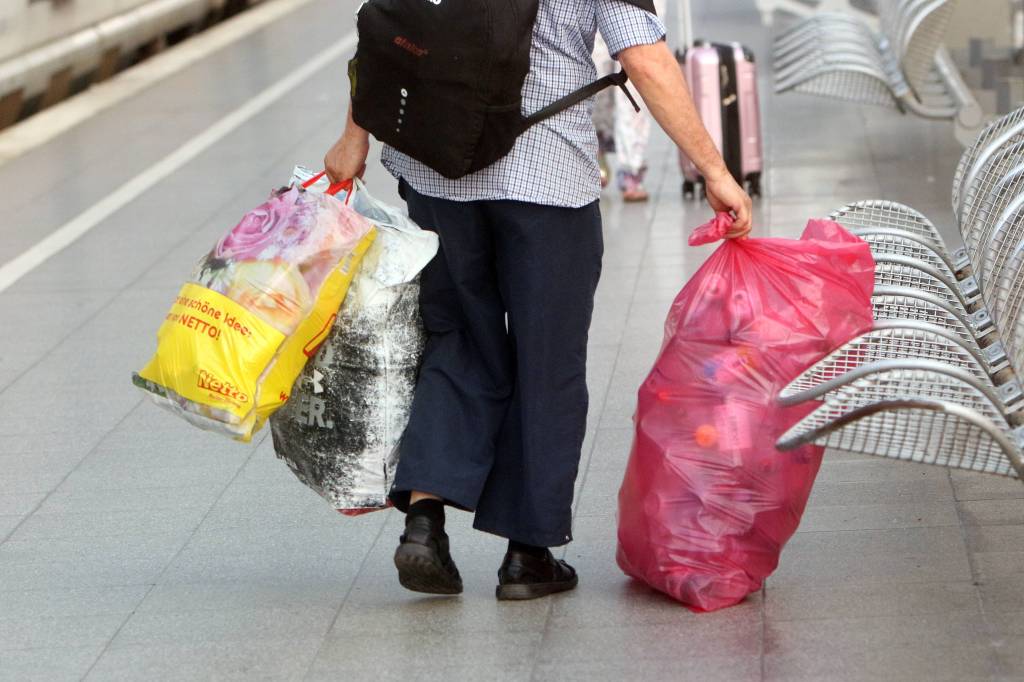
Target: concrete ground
134, 547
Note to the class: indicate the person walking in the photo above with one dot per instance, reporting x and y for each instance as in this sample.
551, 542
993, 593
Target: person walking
622, 129
500, 409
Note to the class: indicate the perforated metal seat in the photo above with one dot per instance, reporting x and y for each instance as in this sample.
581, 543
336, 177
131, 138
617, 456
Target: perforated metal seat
903, 271
899, 340
988, 195
839, 23
903, 303
993, 190
896, 229
814, 25
858, 85
904, 66
788, 65
812, 28
998, 257
845, 43
1008, 297
914, 430
920, 30
992, 137
888, 242
910, 29
911, 410
891, 215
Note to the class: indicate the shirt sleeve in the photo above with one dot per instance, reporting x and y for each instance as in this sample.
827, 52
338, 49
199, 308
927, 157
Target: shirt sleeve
624, 25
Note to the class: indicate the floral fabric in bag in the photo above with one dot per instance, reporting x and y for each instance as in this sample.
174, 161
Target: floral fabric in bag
707, 502
257, 307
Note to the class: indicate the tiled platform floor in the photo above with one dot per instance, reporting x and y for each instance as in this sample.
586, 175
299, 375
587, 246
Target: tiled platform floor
133, 547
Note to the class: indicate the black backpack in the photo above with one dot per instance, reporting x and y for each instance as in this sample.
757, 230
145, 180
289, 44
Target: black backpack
442, 80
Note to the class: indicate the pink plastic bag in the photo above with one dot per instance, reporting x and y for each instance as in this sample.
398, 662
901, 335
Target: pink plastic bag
707, 502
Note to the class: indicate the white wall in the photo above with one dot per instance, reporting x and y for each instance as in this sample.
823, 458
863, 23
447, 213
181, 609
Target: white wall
990, 20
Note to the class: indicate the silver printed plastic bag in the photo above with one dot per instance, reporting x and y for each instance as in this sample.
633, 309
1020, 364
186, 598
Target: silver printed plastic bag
340, 430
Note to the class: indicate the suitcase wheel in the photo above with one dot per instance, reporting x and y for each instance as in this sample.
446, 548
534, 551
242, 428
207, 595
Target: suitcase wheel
688, 189
754, 185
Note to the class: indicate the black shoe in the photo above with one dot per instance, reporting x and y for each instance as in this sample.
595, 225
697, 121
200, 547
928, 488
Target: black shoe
423, 561
523, 576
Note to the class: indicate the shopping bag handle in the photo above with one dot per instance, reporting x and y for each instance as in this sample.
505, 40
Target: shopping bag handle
333, 189
712, 231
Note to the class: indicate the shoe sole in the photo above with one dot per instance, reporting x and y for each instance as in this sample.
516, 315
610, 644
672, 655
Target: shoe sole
421, 570
521, 592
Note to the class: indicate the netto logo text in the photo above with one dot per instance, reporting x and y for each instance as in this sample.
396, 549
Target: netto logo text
208, 382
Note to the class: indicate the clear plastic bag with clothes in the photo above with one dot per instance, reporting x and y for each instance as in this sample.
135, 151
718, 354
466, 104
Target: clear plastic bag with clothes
707, 502
340, 431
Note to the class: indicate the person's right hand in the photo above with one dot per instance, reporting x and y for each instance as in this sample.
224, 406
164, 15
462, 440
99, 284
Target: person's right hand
725, 195
347, 158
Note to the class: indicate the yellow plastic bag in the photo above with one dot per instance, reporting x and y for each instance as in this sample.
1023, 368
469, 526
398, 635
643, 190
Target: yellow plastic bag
258, 306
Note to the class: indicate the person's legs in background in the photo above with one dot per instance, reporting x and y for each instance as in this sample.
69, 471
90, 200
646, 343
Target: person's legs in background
632, 135
604, 110
631, 129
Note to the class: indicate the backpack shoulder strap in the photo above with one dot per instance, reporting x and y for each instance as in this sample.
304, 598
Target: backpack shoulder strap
573, 98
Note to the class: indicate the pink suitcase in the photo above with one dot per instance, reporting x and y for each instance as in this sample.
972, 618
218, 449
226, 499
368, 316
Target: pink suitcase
723, 80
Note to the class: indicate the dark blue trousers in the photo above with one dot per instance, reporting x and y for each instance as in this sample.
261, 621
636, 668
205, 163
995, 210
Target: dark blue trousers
500, 412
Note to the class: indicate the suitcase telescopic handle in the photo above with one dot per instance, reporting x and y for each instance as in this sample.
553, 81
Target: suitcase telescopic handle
684, 21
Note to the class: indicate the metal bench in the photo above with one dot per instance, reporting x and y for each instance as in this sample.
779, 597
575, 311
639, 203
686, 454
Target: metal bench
986, 188
903, 66
768, 8
989, 140
934, 381
921, 411
898, 339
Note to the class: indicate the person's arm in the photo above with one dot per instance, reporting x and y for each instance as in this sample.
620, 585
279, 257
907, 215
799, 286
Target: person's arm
347, 158
656, 75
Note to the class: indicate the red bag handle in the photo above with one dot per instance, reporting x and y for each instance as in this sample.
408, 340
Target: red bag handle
333, 189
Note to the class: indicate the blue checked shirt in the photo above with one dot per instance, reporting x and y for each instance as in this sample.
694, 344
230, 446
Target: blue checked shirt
554, 162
